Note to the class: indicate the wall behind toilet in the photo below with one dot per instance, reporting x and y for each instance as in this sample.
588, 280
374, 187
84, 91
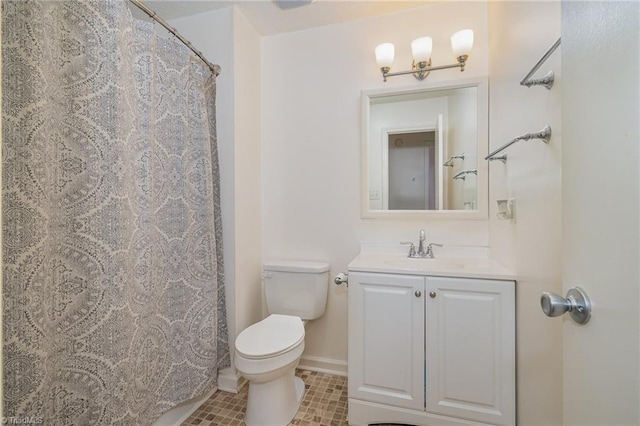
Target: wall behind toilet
311, 89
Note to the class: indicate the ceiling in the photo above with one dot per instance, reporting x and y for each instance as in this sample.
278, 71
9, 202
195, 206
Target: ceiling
269, 19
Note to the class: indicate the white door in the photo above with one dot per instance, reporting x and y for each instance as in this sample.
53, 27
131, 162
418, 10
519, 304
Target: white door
471, 356
601, 191
386, 339
408, 172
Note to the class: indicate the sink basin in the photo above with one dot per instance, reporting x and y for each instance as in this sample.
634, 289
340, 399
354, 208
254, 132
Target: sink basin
424, 264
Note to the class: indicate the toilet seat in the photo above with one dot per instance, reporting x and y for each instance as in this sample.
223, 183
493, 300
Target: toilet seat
270, 337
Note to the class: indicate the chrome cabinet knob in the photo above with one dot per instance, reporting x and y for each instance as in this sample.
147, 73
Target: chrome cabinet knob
576, 303
418, 293
432, 294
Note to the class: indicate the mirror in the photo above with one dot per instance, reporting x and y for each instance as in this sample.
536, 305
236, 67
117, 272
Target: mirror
423, 150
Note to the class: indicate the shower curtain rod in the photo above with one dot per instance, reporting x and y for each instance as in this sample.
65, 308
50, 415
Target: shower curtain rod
215, 69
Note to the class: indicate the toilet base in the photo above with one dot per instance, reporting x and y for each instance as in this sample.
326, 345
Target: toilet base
276, 402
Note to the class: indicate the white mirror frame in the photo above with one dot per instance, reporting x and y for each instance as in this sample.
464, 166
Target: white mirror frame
483, 146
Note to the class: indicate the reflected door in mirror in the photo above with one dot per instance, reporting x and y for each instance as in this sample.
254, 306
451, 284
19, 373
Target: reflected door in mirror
412, 171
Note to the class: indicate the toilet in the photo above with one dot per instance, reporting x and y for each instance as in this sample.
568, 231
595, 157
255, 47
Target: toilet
267, 353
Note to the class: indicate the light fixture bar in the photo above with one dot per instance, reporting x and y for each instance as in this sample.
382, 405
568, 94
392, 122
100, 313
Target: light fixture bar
421, 72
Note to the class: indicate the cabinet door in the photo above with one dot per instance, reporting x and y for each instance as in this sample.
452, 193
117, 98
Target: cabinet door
471, 349
386, 339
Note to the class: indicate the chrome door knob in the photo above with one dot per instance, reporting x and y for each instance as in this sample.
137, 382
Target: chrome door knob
418, 293
576, 303
554, 305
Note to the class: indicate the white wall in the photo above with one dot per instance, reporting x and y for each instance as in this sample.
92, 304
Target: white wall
533, 176
312, 82
227, 39
248, 199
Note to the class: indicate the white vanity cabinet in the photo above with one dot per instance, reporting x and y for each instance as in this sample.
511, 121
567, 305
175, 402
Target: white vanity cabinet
470, 349
386, 339
428, 350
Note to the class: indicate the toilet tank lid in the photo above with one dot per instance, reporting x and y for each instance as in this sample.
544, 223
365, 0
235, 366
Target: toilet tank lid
296, 266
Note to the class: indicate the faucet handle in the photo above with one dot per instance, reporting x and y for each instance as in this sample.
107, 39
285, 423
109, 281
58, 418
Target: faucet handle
412, 248
429, 252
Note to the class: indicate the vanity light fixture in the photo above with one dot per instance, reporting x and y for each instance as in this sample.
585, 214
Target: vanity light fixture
461, 44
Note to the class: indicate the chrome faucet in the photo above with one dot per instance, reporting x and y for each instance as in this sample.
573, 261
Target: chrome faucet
421, 253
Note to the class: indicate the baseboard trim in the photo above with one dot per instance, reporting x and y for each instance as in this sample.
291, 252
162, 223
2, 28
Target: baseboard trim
336, 367
229, 380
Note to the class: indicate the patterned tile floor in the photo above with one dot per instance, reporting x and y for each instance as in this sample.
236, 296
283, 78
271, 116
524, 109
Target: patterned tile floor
324, 404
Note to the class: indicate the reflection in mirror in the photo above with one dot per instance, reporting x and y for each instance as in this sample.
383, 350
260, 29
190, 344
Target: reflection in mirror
421, 150
411, 171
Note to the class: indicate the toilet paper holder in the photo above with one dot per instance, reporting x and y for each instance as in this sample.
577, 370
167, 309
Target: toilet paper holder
341, 278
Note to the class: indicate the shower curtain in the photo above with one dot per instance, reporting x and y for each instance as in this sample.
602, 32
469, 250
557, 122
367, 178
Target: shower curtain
113, 293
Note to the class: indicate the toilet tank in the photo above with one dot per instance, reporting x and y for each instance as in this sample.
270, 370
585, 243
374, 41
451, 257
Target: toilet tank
296, 288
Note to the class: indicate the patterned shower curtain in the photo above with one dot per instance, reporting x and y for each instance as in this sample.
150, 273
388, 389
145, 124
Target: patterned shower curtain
113, 294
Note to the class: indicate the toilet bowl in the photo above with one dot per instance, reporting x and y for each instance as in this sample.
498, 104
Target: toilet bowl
268, 352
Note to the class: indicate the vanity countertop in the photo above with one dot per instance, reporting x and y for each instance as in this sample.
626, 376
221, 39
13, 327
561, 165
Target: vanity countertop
461, 267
